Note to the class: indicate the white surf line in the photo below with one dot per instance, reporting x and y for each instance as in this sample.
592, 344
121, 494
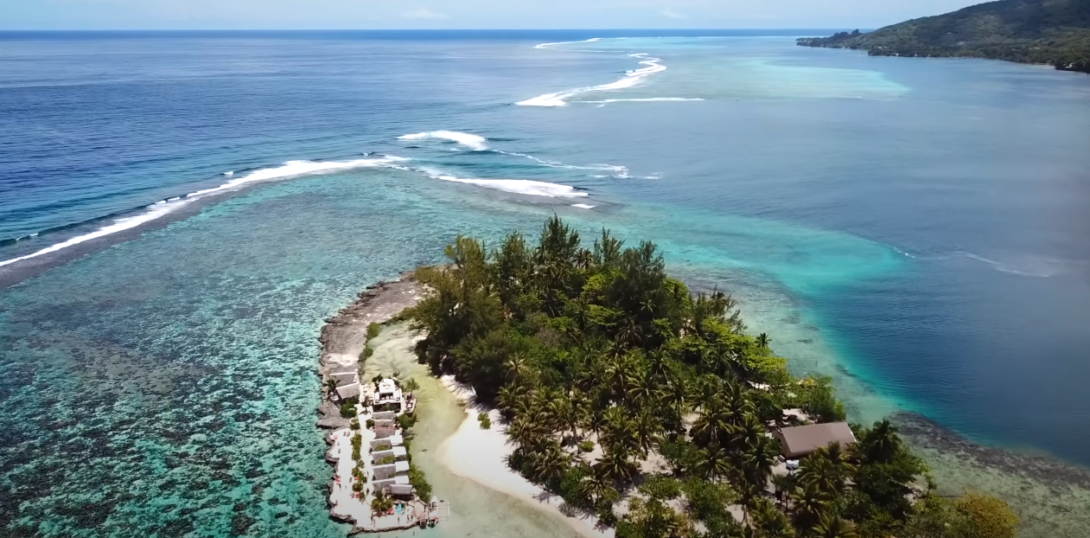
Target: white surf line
645, 100
617, 170
591, 40
516, 186
469, 140
631, 78
289, 170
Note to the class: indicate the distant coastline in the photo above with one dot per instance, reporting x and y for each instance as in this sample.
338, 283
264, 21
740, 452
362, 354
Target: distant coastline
1022, 31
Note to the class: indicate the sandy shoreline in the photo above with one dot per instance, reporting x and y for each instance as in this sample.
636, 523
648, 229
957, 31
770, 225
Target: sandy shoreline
1031, 484
481, 455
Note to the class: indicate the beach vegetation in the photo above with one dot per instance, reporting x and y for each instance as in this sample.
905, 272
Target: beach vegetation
370, 423
373, 330
348, 409
484, 419
357, 444
386, 460
367, 352
406, 421
354, 424
420, 483
592, 344
381, 503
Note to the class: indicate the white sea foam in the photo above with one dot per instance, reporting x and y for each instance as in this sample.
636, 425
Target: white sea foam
584, 206
471, 141
646, 100
547, 45
229, 173
288, 170
1029, 265
517, 186
616, 170
631, 78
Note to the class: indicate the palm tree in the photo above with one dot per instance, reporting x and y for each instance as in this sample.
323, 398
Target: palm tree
524, 431
819, 473
597, 486
833, 526
769, 521
579, 415
410, 385
382, 502
838, 461
516, 367
763, 340
716, 463
647, 430
758, 459
550, 463
882, 442
615, 465
747, 432
511, 399
809, 504
619, 431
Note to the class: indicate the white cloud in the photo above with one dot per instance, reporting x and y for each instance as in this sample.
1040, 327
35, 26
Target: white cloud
424, 13
671, 14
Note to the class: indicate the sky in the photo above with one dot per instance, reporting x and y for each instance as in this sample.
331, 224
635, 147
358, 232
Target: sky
461, 14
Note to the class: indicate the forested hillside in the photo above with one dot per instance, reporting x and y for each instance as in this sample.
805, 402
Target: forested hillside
1053, 32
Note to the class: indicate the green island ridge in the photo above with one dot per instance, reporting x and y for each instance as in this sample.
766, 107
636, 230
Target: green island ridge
1052, 32
650, 410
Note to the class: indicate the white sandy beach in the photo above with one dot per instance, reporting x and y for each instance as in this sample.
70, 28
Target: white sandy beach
480, 455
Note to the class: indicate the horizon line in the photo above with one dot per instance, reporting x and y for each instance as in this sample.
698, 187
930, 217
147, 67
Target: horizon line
409, 29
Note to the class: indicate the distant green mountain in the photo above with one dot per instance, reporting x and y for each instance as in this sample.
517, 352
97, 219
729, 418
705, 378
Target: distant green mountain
1053, 32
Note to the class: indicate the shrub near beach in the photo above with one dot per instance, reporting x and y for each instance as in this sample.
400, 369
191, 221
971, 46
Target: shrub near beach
599, 345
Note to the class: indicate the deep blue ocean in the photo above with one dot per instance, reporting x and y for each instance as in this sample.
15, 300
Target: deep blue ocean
179, 212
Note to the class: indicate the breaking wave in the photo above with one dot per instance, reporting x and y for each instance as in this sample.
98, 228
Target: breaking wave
547, 45
617, 171
631, 78
471, 141
162, 208
516, 186
645, 100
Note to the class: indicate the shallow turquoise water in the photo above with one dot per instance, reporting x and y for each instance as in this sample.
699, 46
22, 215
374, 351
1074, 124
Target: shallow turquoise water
906, 226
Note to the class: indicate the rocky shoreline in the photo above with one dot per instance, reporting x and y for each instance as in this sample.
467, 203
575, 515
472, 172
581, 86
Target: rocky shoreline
343, 338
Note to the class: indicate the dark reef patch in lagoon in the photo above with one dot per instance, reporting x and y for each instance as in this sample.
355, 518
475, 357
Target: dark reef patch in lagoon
1048, 470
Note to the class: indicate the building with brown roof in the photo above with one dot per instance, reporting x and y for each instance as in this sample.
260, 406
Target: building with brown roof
799, 441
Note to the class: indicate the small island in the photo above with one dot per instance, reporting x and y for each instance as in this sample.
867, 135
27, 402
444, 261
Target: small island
591, 375
1056, 33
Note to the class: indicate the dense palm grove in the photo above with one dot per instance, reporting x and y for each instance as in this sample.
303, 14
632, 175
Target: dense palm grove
602, 364
1053, 32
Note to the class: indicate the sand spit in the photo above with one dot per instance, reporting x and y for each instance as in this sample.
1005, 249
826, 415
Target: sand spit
481, 455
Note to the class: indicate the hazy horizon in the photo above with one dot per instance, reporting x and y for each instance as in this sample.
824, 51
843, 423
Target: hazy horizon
153, 15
